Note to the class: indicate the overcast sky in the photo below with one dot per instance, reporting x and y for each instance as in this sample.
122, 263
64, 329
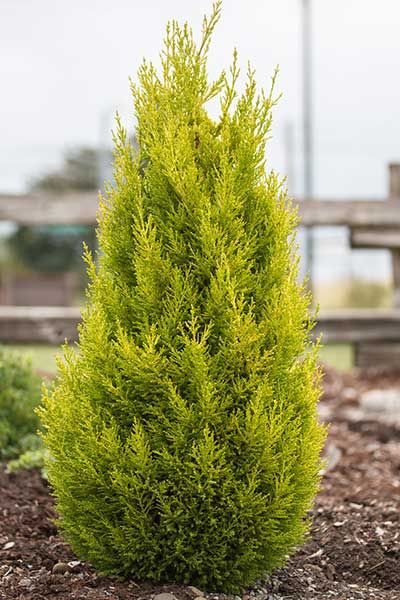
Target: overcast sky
64, 68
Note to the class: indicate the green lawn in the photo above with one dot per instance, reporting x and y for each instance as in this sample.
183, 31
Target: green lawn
43, 357
340, 356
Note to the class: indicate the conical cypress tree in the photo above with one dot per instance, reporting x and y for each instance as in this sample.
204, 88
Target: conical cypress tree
183, 433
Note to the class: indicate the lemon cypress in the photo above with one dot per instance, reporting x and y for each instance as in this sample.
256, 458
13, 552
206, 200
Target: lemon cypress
183, 432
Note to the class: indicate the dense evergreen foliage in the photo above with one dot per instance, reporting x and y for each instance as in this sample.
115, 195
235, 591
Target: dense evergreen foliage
183, 434
19, 396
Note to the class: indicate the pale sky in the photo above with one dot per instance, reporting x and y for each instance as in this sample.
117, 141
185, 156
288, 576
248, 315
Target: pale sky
64, 68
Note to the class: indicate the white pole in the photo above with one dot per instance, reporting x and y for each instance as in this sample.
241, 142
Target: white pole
308, 132
289, 157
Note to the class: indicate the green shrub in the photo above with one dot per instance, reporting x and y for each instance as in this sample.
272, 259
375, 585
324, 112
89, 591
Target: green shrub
19, 396
49, 248
367, 294
183, 434
33, 456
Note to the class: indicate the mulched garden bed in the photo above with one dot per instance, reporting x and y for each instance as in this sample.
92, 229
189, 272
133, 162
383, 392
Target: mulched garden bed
353, 551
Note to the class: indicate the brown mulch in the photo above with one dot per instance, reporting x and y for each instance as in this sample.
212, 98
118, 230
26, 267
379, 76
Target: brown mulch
354, 548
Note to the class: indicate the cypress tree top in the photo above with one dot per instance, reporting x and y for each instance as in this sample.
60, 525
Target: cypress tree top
183, 433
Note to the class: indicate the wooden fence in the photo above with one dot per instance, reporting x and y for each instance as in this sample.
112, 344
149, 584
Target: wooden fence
373, 223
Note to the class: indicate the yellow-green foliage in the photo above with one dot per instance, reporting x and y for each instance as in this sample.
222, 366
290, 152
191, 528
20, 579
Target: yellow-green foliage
183, 434
19, 396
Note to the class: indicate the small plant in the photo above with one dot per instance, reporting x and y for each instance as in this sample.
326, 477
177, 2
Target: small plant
19, 396
33, 456
183, 435
367, 294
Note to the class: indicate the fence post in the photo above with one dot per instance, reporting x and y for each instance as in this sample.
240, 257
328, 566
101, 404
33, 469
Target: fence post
394, 198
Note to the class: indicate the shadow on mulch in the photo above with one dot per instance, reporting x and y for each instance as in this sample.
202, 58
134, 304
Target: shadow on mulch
354, 546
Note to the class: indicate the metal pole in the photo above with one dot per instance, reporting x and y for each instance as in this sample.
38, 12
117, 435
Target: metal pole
104, 155
308, 132
289, 157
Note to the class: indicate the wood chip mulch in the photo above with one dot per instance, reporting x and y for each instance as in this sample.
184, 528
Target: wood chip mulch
354, 548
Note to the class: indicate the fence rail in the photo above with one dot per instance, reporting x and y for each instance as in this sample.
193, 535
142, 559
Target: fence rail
39, 324
49, 209
54, 324
81, 208
373, 224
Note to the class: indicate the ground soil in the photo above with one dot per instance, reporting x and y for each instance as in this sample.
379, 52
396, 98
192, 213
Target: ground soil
353, 552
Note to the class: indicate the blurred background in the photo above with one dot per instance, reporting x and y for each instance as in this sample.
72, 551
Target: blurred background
64, 69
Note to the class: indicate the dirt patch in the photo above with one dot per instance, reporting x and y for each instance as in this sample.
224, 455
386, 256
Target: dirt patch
354, 550
354, 546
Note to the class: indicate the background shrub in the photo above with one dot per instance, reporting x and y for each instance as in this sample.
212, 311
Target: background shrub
33, 456
183, 435
19, 396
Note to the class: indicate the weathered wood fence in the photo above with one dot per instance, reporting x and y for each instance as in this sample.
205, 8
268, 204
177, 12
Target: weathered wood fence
372, 224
